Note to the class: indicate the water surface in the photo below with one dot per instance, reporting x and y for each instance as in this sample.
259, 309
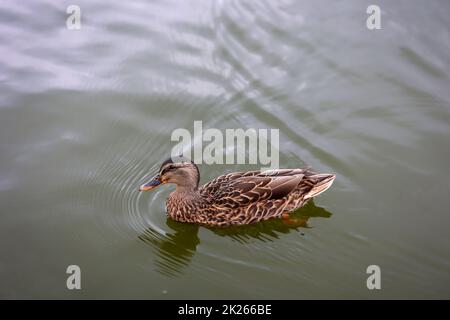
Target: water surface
86, 115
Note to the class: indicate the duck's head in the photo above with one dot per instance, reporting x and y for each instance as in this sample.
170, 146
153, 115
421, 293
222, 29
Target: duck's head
184, 174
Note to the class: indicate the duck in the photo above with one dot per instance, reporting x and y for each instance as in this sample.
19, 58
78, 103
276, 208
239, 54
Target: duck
237, 198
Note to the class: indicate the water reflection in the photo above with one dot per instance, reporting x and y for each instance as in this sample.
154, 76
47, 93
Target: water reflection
175, 250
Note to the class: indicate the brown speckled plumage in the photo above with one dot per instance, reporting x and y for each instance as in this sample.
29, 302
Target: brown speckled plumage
240, 197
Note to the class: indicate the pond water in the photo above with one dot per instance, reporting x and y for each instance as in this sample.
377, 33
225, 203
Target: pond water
87, 114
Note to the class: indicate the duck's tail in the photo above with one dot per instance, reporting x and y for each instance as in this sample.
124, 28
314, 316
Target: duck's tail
322, 182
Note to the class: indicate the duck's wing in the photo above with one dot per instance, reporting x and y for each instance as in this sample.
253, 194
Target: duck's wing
244, 188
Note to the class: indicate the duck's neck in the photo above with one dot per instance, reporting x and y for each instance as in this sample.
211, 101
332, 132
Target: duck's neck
186, 189
183, 204
187, 195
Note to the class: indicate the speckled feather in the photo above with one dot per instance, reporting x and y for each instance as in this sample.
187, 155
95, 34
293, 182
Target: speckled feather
247, 197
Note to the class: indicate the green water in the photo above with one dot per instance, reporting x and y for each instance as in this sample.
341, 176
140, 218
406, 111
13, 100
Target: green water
86, 115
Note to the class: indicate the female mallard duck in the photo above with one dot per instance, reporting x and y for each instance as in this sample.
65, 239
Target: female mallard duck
236, 198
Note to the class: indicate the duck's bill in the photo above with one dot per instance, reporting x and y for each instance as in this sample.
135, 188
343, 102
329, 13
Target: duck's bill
152, 184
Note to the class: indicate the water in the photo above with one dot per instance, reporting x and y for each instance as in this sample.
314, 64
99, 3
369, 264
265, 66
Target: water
86, 115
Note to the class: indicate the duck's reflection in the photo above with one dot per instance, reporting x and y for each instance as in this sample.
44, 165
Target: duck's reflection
175, 250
